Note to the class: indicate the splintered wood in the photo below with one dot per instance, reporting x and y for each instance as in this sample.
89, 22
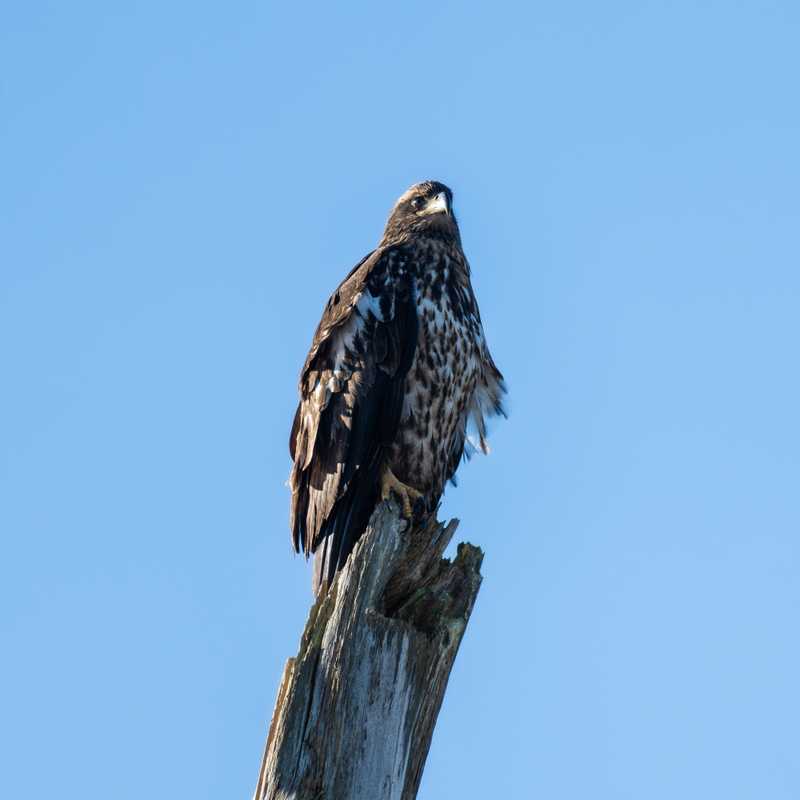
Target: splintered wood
357, 706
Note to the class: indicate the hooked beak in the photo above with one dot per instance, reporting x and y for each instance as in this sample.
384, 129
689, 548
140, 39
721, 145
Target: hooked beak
439, 203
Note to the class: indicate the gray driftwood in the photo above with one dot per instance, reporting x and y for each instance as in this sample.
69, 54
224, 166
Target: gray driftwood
357, 706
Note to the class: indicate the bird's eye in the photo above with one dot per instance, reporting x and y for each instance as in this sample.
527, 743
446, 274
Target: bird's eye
417, 203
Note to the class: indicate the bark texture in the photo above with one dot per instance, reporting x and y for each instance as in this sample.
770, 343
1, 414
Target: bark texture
357, 706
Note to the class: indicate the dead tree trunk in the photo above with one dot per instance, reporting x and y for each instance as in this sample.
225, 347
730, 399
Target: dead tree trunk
357, 706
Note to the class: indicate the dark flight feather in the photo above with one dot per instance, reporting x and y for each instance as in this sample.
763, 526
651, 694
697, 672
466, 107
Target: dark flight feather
352, 396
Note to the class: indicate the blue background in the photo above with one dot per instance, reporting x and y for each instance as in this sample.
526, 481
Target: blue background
183, 185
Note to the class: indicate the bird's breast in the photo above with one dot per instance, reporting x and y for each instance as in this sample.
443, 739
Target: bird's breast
439, 385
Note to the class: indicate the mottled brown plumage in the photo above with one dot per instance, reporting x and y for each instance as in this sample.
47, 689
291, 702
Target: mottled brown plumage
397, 371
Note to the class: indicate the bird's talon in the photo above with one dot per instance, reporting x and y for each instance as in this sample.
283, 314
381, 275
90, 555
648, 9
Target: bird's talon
391, 484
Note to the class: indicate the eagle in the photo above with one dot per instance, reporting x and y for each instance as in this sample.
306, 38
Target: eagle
397, 386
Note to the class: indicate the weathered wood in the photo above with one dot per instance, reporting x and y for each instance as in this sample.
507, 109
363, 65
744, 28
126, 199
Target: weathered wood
357, 706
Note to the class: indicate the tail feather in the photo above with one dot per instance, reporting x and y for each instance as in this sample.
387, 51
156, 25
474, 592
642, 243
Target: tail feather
343, 528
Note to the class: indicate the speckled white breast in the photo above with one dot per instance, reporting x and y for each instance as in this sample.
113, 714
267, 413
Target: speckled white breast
439, 393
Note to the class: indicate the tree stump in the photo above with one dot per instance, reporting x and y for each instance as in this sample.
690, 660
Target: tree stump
357, 706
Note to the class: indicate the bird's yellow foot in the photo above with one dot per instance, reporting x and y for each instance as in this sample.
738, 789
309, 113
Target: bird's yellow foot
406, 493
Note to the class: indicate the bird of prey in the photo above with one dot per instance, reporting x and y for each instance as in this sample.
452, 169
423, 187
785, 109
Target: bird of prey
397, 381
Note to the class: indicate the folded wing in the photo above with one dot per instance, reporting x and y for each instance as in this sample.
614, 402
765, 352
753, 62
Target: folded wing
351, 397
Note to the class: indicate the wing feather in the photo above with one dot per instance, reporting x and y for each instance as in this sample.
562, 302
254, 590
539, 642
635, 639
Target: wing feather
351, 395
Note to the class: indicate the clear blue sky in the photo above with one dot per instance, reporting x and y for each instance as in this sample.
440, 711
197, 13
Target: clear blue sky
182, 186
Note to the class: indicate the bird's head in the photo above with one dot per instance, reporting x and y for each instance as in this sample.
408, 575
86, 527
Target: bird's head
426, 208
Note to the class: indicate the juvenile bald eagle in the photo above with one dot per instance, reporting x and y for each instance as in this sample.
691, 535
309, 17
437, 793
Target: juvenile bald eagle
397, 371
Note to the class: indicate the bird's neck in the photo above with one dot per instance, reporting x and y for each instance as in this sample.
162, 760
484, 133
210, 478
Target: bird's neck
445, 233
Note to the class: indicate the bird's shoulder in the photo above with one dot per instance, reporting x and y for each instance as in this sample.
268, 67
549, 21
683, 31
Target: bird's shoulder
367, 286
